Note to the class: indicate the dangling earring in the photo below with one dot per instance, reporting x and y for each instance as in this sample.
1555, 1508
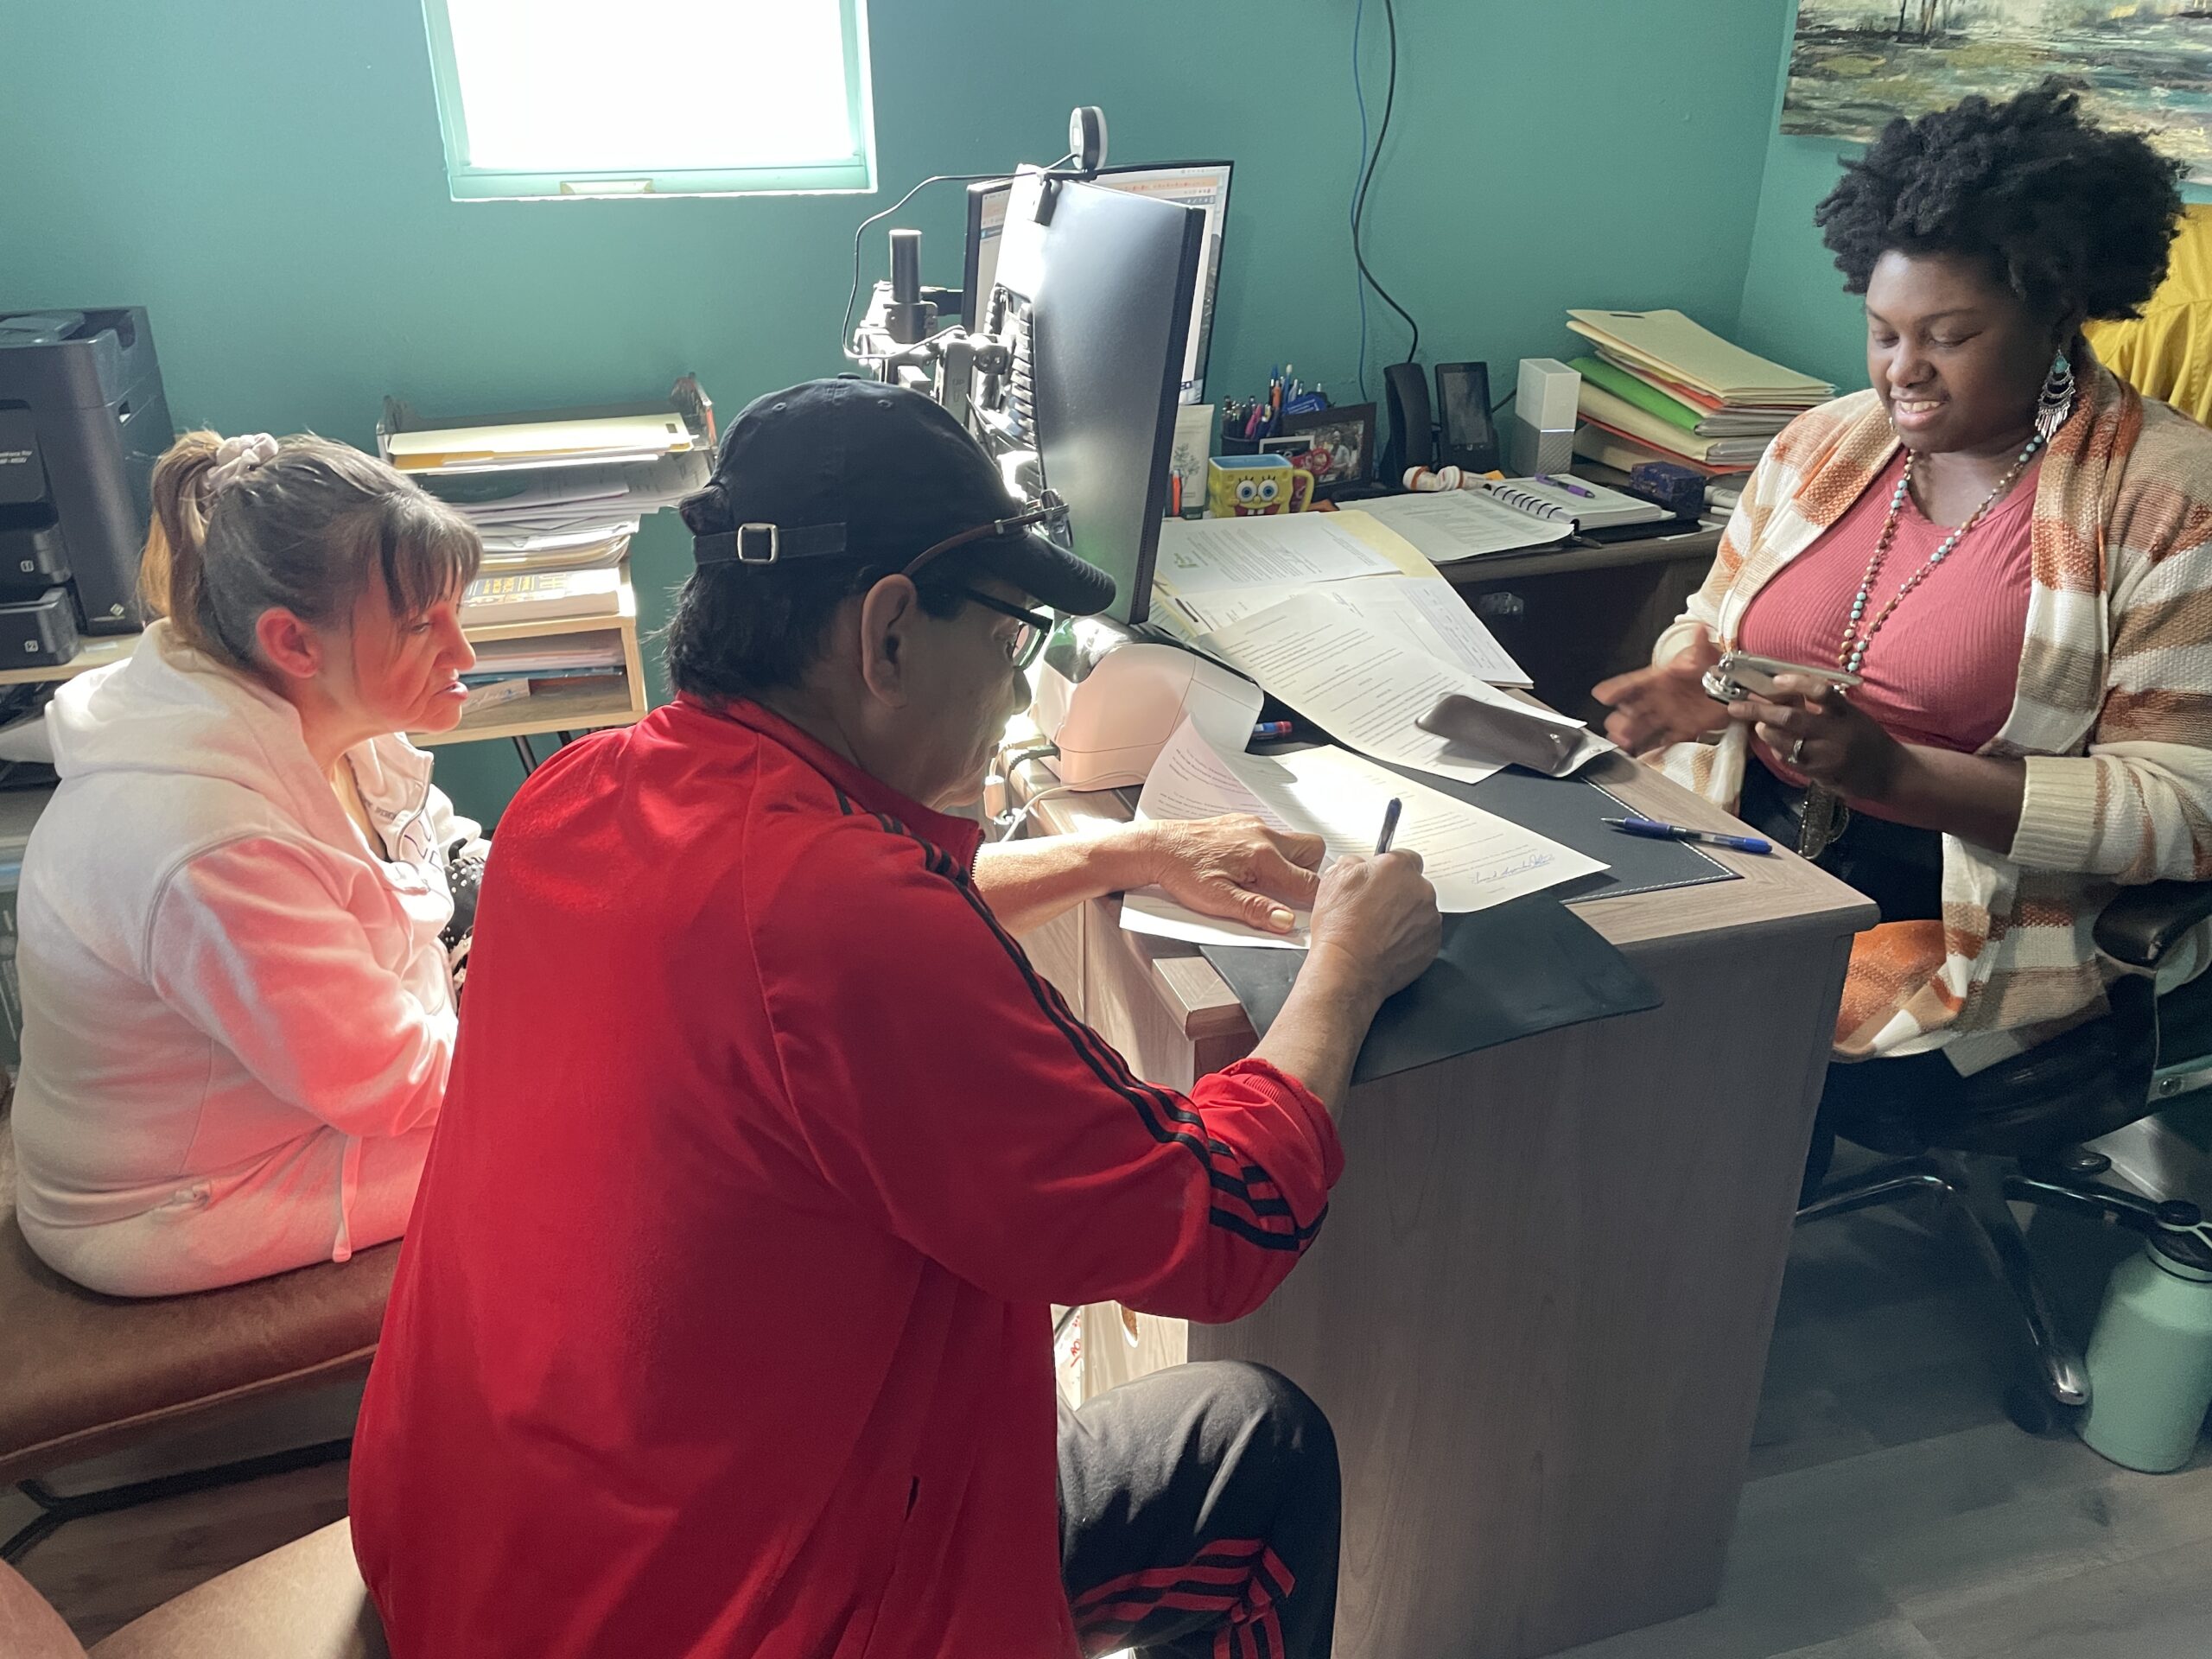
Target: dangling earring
2056, 402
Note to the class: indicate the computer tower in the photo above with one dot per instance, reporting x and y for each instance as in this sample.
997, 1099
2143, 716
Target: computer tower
82, 420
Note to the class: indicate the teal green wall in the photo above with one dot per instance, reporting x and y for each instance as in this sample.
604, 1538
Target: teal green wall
1793, 306
268, 180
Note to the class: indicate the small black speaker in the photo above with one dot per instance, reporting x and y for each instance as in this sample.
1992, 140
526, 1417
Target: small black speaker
1412, 441
1467, 436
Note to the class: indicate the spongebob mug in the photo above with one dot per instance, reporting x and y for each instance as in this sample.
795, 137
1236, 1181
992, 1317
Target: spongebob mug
1251, 486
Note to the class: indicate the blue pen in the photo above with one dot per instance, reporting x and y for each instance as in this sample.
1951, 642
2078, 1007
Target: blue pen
1389, 826
1566, 484
1652, 829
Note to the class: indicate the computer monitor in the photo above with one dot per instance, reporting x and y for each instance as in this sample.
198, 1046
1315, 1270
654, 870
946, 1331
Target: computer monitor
1202, 185
1095, 298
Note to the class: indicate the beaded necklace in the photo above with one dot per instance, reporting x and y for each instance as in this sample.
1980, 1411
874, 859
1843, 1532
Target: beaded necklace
1824, 816
1851, 651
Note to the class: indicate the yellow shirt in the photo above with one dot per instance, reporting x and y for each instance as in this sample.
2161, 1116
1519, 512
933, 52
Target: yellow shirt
2167, 353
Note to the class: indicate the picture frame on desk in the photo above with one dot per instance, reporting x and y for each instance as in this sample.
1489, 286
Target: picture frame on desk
1338, 446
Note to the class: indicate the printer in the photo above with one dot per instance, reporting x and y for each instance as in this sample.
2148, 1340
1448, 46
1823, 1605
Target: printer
82, 421
1108, 699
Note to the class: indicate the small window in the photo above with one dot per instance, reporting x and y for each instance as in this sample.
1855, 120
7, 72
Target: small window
594, 97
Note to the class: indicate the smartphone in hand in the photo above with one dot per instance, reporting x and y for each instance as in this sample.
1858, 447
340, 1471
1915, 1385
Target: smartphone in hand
1739, 675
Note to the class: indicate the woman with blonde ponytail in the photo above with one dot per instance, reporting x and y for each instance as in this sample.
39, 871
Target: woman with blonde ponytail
238, 1010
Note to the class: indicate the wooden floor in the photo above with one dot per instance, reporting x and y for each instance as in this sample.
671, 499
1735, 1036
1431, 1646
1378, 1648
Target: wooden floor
1893, 1512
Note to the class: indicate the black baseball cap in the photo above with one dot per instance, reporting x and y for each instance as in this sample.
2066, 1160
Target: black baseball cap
866, 474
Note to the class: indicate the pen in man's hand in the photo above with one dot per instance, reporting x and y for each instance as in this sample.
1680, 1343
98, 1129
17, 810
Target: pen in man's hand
1389, 825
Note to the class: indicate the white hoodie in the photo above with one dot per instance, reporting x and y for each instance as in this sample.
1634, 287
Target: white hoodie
236, 1014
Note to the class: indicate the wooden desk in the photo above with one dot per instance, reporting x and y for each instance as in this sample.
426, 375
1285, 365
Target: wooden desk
1538, 1314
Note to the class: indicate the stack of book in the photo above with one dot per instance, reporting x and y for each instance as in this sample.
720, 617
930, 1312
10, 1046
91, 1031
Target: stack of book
1660, 387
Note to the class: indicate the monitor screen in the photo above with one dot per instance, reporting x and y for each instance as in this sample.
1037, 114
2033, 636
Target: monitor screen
1098, 302
1202, 185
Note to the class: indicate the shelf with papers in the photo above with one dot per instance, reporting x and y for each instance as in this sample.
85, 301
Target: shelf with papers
586, 705
539, 627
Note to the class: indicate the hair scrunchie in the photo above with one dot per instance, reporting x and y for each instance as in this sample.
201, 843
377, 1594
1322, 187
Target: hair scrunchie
234, 459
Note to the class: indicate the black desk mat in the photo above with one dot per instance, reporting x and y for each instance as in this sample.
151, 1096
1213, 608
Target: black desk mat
1516, 969
1512, 970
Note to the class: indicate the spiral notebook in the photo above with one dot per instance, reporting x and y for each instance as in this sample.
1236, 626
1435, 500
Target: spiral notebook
1600, 510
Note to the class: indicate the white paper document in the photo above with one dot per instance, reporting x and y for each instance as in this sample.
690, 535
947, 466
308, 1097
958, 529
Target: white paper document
1364, 688
1206, 555
1424, 614
1473, 858
1449, 525
1429, 616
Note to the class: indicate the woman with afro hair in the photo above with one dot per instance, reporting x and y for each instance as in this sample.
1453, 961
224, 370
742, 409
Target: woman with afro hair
2013, 550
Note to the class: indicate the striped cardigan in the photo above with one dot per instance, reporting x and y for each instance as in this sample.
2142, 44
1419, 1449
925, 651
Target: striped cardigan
2112, 715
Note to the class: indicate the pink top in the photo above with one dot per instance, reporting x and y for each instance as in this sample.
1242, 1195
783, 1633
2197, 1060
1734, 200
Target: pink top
1944, 668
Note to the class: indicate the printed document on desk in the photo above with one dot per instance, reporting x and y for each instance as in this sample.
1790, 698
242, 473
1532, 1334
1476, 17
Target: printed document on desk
1424, 614
1363, 689
1205, 556
1450, 525
1474, 859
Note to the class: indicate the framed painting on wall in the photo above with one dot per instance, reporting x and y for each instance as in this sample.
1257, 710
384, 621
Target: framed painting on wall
2139, 64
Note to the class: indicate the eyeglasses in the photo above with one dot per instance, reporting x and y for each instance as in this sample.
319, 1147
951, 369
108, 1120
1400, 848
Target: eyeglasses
1025, 643
1051, 512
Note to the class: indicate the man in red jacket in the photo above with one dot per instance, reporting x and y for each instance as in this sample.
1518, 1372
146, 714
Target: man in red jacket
722, 1324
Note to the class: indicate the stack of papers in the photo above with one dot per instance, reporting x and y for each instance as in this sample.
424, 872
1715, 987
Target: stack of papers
537, 443
1214, 573
558, 657
1206, 556
1675, 347
561, 494
1349, 625
1424, 614
1473, 858
1368, 690
1661, 384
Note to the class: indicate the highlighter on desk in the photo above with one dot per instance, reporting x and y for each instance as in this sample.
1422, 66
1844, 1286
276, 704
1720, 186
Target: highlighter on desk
1652, 829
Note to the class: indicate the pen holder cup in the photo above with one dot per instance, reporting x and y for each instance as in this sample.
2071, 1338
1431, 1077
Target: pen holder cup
1256, 487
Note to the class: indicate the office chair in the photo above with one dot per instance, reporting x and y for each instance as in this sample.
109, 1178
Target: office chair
2016, 1130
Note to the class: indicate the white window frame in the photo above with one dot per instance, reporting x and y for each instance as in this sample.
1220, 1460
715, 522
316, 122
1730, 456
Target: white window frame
853, 173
